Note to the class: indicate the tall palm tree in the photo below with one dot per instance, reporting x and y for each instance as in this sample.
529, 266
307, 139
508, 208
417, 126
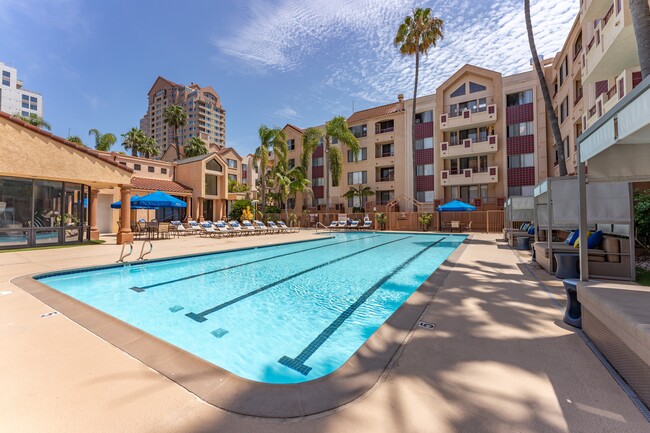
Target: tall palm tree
76, 139
416, 34
149, 147
289, 182
361, 191
194, 147
640, 12
271, 140
34, 120
550, 112
133, 139
176, 117
103, 141
332, 157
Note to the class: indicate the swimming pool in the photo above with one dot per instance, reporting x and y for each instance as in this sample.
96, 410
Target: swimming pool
284, 314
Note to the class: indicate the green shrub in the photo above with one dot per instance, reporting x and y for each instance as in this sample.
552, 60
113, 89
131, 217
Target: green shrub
237, 208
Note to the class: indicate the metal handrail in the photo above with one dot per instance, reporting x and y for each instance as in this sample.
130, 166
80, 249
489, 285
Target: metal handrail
142, 253
122, 255
329, 230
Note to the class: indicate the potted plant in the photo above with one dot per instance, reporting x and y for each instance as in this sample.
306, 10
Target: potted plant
425, 219
381, 219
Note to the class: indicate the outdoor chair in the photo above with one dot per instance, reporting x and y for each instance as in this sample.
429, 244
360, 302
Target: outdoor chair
455, 225
208, 230
223, 229
289, 229
163, 230
246, 225
237, 229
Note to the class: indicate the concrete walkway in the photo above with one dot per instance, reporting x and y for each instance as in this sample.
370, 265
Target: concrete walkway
500, 359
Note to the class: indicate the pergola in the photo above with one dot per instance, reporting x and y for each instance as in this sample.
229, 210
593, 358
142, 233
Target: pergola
518, 208
617, 148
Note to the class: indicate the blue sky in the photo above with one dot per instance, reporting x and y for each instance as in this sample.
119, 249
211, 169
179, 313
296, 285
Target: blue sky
272, 62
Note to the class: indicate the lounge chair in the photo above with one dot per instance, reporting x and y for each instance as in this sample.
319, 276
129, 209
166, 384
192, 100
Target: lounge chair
259, 225
223, 229
289, 229
277, 228
180, 228
354, 224
247, 225
367, 224
208, 230
334, 225
194, 227
237, 229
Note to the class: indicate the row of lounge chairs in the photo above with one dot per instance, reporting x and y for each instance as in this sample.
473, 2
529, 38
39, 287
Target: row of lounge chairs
231, 228
354, 225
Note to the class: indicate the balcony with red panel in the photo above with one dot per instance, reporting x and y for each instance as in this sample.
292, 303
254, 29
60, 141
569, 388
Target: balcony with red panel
469, 176
469, 147
477, 117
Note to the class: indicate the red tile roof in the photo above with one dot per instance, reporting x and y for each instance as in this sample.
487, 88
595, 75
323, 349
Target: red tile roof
394, 107
158, 184
92, 152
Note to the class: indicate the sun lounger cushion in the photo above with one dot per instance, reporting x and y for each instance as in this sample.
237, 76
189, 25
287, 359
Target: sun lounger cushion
595, 239
571, 240
613, 247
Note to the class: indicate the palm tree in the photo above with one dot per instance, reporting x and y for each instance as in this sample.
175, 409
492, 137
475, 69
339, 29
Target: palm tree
134, 140
34, 120
415, 36
176, 117
361, 191
103, 141
289, 182
640, 12
271, 140
332, 157
550, 112
149, 147
76, 139
194, 147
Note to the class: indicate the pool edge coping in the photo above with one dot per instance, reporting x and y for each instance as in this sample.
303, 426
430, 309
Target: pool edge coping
218, 387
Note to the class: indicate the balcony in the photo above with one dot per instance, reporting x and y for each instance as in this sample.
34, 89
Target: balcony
469, 147
469, 118
469, 176
613, 47
591, 10
386, 178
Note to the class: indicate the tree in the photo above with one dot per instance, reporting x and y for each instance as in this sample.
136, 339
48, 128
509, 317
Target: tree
271, 140
194, 147
149, 147
289, 182
361, 191
550, 112
337, 128
134, 140
34, 120
416, 34
176, 117
640, 12
103, 141
76, 139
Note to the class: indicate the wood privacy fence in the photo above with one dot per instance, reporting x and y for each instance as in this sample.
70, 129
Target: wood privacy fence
476, 221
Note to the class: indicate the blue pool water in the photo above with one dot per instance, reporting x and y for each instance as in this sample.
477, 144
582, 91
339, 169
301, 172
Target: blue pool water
283, 314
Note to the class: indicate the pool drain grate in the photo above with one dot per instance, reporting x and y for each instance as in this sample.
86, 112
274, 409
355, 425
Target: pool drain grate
426, 325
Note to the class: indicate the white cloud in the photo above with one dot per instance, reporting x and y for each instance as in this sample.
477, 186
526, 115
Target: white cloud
287, 112
356, 39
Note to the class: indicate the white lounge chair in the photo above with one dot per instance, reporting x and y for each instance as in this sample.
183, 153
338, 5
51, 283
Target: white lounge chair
262, 227
237, 229
208, 230
247, 225
223, 229
367, 224
277, 228
194, 227
289, 229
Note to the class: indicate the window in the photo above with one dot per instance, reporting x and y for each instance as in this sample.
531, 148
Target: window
384, 197
519, 98
232, 177
521, 190
335, 140
520, 129
211, 182
214, 166
424, 143
523, 160
564, 71
359, 130
357, 177
317, 162
137, 167
385, 150
231, 163
6, 77
291, 163
386, 174
163, 171
6, 74
424, 196
385, 126
424, 117
318, 181
354, 201
244, 167
151, 169
291, 144
565, 144
25, 97
459, 91
363, 155
474, 87
424, 170
564, 110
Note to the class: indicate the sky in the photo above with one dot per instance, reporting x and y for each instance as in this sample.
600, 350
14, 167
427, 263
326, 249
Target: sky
272, 62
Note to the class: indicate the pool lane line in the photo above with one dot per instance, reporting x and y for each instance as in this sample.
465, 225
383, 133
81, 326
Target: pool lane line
200, 317
189, 277
298, 363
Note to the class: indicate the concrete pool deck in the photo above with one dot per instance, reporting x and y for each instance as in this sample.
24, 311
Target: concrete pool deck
499, 359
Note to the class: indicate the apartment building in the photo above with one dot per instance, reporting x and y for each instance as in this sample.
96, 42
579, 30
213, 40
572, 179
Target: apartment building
206, 118
14, 98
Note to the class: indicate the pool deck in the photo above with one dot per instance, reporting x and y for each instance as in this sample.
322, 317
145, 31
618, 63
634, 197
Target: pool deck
500, 359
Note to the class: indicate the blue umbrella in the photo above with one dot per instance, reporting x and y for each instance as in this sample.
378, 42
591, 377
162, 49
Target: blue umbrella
456, 206
159, 199
118, 204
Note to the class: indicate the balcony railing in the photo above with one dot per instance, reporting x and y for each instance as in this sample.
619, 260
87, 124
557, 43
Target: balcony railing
384, 154
382, 130
608, 15
470, 176
579, 94
469, 147
479, 116
611, 92
387, 178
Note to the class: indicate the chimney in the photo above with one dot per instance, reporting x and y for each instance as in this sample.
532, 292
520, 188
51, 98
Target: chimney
400, 97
